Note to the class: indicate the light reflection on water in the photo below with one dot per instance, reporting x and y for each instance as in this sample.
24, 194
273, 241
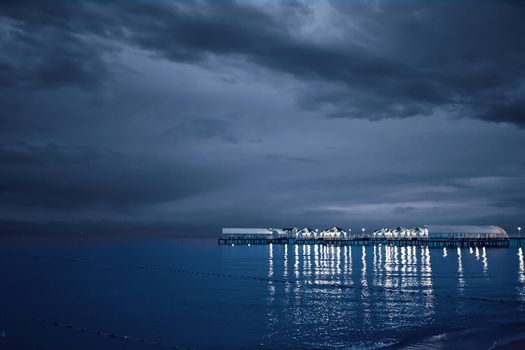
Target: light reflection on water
485, 261
461, 279
521, 274
460, 309
393, 287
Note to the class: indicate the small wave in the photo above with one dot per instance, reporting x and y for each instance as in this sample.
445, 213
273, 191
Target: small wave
361, 345
371, 345
512, 342
503, 337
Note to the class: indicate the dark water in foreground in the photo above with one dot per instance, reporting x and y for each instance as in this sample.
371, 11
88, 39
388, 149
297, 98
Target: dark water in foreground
126, 294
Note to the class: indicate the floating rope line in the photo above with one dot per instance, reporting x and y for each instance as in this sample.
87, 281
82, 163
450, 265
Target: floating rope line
96, 332
156, 268
255, 278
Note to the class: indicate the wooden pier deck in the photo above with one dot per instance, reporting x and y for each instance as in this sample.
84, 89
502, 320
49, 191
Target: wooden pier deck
365, 241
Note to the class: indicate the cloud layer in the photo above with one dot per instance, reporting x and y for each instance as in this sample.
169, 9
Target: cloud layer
211, 113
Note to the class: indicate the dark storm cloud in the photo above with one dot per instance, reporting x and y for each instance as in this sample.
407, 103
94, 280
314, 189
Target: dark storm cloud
50, 154
509, 111
203, 128
40, 50
416, 56
402, 210
287, 158
510, 201
63, 177
226, 113
438, 59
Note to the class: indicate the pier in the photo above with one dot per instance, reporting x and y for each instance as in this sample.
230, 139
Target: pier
365, 241
433, 236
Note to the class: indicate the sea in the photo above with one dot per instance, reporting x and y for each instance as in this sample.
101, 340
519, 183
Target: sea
175, 293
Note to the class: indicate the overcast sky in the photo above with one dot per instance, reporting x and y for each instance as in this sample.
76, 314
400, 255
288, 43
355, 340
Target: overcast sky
195, 115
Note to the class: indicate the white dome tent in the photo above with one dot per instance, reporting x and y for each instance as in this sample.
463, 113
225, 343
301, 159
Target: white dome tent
305, 232
334, 232
442, 232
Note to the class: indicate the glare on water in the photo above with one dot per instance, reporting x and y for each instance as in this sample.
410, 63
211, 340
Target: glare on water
377, 287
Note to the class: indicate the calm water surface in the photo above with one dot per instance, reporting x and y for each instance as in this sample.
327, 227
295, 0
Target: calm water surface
196, 294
